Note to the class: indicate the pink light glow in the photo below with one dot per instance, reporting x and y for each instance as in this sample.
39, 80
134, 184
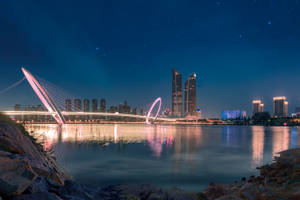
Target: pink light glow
43, 96
151, 108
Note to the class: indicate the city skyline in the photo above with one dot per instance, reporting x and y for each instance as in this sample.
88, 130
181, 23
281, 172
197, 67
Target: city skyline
90, 52
187, 102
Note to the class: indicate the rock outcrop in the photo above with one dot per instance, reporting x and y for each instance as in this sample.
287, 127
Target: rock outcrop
23, 160
279, 180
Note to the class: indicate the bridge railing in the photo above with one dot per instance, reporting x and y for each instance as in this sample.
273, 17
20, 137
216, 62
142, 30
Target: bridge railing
45, 113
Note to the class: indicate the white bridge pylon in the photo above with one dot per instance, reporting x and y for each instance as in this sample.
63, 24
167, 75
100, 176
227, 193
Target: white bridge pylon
44, 97
151, 108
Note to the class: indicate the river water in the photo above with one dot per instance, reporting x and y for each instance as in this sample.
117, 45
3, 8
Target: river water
184, 156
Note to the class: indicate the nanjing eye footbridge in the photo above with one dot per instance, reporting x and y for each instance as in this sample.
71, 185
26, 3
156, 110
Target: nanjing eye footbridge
59, 115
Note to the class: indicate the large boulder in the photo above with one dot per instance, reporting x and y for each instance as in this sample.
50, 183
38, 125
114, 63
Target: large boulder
15, 174
22, 160
73, 190
144, 191
14, 140
37, 196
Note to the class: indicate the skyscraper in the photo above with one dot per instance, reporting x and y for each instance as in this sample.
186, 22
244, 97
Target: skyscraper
94, 105
297, 111
103, 105
134, 111
176, 94
86, 105
142, 112
17, 108
258, 106
124, 108
280, 106
77, 105
190, 100
68, 105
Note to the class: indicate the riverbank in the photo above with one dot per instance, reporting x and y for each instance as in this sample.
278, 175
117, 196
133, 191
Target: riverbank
29, 172
279, 180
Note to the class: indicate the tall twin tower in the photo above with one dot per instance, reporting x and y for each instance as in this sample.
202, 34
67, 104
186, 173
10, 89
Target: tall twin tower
190, 100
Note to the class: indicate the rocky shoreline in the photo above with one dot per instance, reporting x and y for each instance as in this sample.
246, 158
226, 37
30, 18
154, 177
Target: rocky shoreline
29, 172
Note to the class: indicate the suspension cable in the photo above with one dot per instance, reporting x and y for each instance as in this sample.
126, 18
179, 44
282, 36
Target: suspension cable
12, 86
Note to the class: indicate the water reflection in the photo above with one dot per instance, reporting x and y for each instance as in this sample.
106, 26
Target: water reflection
281, 139
233, 136
294, 137
183, 156
258, 134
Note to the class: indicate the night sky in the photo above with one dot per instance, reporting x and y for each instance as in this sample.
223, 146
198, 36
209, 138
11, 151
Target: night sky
126, 49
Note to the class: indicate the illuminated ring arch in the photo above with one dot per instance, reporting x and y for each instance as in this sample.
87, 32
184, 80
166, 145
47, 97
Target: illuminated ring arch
151, 108
44, 97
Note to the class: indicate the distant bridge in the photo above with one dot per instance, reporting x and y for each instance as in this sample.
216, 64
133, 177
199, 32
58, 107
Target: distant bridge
64, 113
59, 115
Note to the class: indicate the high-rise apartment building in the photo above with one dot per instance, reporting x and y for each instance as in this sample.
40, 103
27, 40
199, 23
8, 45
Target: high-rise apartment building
190, 99
94, 105
134, 111
77, 105
280, 106
113, 109
176, 93
142, 112
103, 105
258, 106
17, 107
68, 105
86, 105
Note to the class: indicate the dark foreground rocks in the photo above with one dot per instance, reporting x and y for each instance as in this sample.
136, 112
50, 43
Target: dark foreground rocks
22, 160
278, 181
75, 191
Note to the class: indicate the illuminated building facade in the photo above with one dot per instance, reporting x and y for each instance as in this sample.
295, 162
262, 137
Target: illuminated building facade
77, 105
113, 109
103, 105
124, 108
17, 107
190, 98
134, 111
68, 105
86, 105
94, 105
176, 94
258, 106
142, 112
233, 114
280, 105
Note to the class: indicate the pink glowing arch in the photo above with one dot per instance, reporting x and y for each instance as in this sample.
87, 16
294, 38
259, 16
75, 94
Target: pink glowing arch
151, 108
44, 97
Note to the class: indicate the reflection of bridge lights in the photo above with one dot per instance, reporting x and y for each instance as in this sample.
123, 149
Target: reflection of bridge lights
151, 108
115, 133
